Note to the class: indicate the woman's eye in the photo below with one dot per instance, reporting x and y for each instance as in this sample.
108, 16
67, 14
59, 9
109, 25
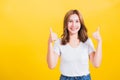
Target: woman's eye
70, 20
77, 21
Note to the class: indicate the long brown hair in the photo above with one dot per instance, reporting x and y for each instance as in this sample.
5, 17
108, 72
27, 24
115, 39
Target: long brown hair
82, 33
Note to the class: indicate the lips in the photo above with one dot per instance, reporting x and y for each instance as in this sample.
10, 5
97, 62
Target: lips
73, 29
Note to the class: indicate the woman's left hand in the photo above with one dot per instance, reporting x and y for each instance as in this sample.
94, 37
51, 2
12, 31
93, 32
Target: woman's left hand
96, 34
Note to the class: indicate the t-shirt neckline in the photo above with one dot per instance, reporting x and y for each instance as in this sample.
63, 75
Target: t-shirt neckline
74, 47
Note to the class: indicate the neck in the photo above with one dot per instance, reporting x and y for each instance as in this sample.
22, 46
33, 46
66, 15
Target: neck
74, 41
73, 37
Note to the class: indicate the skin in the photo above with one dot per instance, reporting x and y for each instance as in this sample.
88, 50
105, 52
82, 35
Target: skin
73, 28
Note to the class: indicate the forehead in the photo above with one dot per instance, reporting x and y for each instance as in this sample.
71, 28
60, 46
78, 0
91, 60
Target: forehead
73, 16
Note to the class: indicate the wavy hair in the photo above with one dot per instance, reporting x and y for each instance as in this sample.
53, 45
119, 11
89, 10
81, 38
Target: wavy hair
82, 33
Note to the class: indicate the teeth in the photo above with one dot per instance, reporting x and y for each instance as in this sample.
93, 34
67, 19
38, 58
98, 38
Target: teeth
73, 28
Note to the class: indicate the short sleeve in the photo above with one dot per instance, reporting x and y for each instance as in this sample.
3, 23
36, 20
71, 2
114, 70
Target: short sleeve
90, 46
57, 46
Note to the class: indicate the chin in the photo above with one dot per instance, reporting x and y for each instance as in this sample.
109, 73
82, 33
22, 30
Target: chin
74, 32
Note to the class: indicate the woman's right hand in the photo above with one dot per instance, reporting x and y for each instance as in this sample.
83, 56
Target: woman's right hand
53, 36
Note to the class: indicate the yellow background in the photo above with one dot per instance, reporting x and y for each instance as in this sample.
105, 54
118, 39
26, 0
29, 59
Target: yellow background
24, 31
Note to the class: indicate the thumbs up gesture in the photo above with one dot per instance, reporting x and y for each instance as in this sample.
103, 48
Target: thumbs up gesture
53, 36
96, 34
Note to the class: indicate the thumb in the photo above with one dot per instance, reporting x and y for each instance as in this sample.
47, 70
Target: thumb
51, 31
98, 29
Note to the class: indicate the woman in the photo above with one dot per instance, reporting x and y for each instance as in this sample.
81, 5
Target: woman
74, 48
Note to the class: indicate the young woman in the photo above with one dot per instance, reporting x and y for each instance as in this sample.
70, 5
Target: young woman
75, 49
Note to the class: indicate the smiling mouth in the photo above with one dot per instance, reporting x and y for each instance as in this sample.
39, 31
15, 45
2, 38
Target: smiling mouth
73, 29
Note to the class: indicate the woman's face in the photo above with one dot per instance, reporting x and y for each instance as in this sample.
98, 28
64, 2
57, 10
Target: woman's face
73, 24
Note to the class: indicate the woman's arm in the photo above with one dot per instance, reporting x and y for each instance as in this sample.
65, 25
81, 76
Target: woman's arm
96, 57
52, 57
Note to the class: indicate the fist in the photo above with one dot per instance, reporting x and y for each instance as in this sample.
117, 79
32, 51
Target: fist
96, 34
53, 36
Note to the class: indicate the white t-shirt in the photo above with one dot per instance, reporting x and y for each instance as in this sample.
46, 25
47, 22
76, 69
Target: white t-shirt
74, 61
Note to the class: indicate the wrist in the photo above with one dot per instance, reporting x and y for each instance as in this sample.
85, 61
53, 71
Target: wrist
100, 41
49, 41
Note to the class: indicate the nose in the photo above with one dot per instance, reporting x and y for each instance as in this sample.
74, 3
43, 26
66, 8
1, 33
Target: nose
73, 24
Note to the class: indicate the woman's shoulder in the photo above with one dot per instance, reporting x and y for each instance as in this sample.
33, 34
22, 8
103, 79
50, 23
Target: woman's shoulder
88, 41
58, 41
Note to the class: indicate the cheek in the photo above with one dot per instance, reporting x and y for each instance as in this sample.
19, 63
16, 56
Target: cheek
79, 25
69, 24
68, 27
